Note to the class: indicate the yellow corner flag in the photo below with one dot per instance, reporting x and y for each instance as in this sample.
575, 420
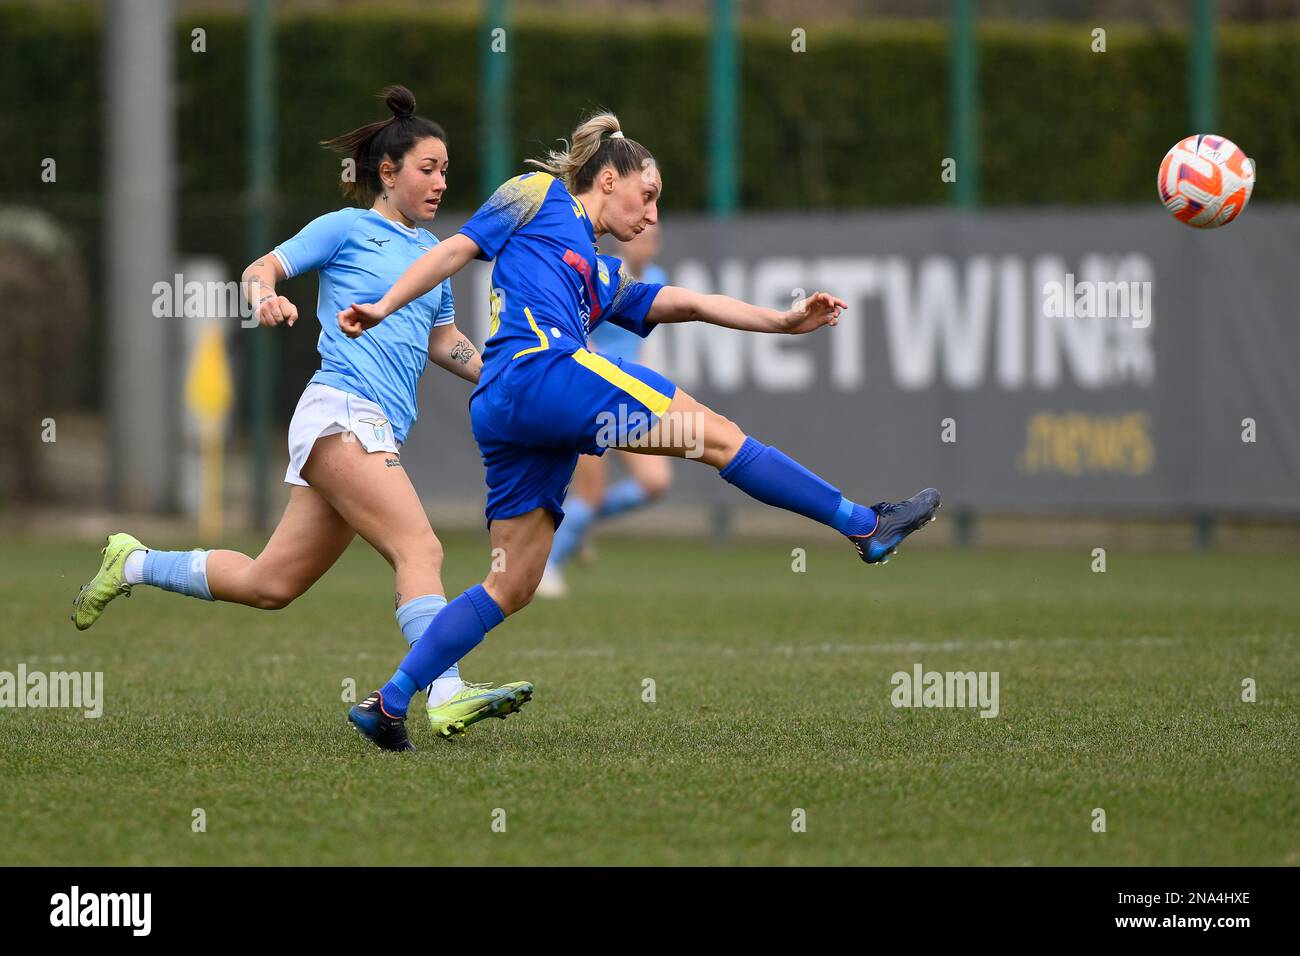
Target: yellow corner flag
208, 394
208, 389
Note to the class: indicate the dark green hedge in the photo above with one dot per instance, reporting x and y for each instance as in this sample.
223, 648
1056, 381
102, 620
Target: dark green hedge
860, 119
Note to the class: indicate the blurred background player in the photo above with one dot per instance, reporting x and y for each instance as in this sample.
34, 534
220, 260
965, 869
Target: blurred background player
344, 439
591, 499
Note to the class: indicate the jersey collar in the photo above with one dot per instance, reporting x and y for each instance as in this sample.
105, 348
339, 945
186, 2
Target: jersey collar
411, 231
586, 219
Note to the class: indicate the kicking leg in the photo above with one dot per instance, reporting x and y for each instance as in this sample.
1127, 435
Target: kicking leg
690, 429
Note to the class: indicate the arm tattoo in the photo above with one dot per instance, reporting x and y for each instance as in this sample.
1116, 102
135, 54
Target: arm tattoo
462, 352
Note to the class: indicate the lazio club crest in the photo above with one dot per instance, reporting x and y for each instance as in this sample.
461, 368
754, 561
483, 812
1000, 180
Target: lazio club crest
377, 424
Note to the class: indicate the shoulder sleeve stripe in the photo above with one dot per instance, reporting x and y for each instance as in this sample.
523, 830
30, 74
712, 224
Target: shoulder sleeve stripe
518, 200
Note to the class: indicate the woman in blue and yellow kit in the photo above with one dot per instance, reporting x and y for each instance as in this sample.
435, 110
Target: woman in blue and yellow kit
543, 398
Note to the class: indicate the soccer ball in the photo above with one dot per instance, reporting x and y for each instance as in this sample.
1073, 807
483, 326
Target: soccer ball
1206, 181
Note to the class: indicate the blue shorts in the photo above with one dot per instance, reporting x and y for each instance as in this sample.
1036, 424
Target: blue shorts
543, 410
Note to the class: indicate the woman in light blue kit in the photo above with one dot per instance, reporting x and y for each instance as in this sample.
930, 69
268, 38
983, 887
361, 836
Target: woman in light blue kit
344, 462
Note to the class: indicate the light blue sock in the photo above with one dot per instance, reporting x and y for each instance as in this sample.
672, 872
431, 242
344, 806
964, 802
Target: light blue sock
413, 618
568, 536
185, 572
624, 496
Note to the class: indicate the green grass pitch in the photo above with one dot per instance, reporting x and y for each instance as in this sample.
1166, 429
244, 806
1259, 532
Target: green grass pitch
1120, 691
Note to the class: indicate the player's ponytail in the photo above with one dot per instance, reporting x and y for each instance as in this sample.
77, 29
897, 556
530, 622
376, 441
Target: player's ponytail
393, 137
597, 142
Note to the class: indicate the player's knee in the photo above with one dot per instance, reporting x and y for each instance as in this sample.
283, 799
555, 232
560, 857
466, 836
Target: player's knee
431, 553
515, 596
424, 551
522, 599
722, 439
274, 595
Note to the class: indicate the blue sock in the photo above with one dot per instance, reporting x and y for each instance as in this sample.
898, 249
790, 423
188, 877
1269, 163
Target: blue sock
185, 572
413, 618
764, 473
624, 496
455, 631
578, 516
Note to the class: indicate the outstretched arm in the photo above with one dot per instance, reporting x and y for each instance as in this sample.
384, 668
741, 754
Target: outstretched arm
674, 304
443, 260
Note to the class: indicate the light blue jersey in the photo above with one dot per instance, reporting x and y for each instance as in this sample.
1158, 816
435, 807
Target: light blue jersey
359, 255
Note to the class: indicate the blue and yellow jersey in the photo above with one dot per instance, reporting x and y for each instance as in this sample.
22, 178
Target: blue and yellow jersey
550, 287
358, 255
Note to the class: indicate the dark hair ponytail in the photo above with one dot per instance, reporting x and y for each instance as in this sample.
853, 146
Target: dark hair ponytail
394, 137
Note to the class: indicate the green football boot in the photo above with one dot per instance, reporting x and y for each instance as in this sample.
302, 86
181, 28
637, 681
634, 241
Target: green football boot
473, 702
94, 596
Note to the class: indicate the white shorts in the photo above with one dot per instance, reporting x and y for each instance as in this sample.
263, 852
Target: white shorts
325, 410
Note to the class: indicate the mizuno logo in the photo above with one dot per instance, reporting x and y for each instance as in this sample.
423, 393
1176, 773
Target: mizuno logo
379, 242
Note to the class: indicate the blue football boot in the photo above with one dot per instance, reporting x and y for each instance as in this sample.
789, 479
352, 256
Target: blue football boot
378, 726
894, 522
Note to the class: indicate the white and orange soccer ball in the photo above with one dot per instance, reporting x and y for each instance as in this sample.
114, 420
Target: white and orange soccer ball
1206, 181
